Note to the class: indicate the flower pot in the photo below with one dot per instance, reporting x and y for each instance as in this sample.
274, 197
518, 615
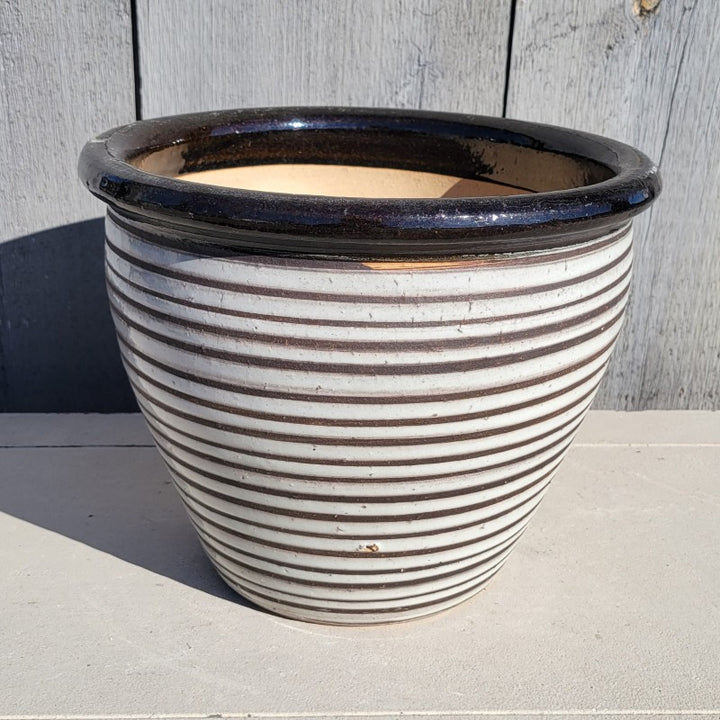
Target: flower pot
363, 340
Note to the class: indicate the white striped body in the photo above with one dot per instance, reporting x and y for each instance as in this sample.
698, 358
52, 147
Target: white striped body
359, 442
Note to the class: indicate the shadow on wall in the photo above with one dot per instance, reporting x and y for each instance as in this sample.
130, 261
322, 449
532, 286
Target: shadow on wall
58, 351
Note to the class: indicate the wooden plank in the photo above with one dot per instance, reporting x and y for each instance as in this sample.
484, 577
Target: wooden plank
66, 73
647, 73
436, 54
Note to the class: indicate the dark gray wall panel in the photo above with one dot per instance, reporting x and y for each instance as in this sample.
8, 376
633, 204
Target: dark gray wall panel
59, 345
66, 73
650, 78
437, 54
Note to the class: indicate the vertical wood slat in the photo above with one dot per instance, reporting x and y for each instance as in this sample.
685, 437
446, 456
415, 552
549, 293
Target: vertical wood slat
651, 79
65, 75
432, 54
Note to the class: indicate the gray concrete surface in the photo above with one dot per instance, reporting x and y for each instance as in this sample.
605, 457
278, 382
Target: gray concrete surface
609, 607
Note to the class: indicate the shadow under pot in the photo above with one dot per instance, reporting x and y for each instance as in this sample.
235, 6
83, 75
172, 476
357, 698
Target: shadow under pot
363, 340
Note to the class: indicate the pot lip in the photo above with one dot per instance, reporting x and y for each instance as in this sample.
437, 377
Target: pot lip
368, 227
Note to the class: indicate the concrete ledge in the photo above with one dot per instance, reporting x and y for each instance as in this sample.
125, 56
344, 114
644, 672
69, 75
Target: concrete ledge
607, 608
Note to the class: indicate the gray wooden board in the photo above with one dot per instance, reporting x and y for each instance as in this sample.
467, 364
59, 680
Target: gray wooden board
433, 54
66, 74
651, 80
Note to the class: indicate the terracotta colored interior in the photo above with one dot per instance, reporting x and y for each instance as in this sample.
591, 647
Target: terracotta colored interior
347, 181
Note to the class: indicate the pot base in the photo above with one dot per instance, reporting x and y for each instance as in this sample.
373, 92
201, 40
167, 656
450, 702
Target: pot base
352, 618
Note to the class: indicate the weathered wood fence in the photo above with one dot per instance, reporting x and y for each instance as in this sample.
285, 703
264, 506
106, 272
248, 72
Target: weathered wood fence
642, 71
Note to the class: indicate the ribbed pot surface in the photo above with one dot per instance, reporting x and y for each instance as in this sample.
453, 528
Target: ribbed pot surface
362, 442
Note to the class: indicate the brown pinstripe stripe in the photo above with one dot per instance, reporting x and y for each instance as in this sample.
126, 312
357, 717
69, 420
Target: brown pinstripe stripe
326, 422
148, 405
362, 519
360, 369
356, 399
349, 569
506, 547
398, 441
353, 600
375, 479
242, 584
191, 501
309, 321
260, 290
370, 345
418, 496
393, 463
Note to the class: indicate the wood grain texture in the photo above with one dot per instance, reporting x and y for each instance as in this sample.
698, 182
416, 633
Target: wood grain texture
66, 74
652, 79
431, 54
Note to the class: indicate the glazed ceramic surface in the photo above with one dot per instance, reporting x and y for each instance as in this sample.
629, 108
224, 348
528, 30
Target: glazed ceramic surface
362, 438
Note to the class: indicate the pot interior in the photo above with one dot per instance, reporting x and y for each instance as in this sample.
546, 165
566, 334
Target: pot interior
366, 183
348, 181
368, 162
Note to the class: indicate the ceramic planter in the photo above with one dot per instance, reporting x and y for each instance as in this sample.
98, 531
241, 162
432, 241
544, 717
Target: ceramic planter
364, 362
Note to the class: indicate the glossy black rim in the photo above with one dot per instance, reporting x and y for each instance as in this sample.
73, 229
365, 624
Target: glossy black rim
603, 182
